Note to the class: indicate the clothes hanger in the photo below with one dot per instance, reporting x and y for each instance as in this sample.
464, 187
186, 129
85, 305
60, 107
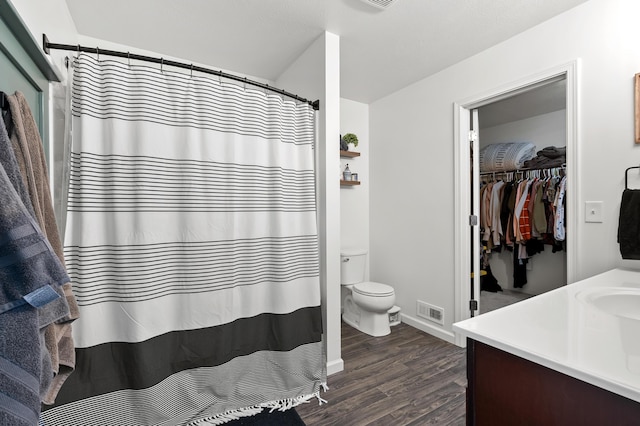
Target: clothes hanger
4, 103
6, 113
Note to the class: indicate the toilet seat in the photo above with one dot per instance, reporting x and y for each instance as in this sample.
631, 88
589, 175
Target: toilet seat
373, 289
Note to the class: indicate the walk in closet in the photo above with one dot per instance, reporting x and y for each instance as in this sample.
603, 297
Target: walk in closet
521, 188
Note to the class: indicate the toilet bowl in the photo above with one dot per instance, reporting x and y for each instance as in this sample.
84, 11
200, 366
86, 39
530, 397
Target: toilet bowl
366, 303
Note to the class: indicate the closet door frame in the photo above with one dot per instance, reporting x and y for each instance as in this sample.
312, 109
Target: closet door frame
462, 169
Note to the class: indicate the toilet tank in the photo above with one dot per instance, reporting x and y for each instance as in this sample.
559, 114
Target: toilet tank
352, 265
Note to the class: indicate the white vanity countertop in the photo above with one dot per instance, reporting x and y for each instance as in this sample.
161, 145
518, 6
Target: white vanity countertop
580, 330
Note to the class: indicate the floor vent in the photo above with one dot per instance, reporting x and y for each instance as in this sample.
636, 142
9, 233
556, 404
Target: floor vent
430, 312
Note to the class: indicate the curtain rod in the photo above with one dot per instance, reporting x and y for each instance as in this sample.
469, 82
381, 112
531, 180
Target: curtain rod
46, 46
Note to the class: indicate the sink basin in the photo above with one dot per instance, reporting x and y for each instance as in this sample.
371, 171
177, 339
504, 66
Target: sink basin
622, 302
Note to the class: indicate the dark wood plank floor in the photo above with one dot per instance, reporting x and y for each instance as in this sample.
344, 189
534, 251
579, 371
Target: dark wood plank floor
406, 378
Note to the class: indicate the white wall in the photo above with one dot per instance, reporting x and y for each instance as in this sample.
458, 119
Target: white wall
412, 156
542, 130
49, 17
354, 200
317, 74
546, 270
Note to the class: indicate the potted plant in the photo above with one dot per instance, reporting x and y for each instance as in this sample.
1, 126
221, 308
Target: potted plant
351, 138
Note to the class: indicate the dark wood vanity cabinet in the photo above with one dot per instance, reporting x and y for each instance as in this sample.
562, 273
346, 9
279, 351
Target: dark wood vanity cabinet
504, 389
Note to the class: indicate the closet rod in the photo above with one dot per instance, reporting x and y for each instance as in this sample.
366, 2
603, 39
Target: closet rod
46, 46
558, 168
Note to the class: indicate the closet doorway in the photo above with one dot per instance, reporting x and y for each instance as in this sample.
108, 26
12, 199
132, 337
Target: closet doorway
492, 118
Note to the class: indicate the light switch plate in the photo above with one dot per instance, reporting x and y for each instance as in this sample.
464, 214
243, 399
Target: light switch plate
593, 211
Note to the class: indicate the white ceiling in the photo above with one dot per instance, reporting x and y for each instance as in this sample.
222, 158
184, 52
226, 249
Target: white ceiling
381, 51
543, 99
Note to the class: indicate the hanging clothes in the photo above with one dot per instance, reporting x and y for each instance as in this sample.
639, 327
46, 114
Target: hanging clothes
523, 215
559, 229
495, 208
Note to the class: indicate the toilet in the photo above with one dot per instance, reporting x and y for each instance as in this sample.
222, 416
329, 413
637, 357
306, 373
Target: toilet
366, 304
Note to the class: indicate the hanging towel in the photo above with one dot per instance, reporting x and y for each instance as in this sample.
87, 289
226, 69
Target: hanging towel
30, 273
629, 224
58, 308
10, 165
30, 157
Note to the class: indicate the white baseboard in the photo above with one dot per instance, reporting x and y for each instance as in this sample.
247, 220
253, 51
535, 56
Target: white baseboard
335, 366
428, 328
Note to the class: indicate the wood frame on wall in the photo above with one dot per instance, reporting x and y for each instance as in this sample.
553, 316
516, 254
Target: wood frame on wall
636, 99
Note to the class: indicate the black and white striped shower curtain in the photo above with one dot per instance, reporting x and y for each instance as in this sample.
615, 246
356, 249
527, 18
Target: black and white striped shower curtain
192, 245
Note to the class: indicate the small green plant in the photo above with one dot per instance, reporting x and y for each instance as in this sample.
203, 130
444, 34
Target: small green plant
351, 138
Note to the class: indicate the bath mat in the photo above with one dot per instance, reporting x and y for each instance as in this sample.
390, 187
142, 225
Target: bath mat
289, 417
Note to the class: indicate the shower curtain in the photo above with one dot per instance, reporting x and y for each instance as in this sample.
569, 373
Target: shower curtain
192, 244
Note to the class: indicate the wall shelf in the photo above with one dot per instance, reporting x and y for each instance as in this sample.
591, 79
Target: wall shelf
349, 154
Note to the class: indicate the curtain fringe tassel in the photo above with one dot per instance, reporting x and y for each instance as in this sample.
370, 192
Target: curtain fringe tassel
280, 405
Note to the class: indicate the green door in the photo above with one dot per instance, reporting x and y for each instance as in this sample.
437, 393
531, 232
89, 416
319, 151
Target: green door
21, 67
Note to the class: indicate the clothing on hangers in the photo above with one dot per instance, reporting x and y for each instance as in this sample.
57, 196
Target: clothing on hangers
524, 214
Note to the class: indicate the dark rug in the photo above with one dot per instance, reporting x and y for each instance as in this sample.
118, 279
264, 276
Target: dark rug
265, 418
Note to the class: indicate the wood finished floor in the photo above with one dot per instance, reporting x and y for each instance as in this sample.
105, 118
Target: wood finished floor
406, 378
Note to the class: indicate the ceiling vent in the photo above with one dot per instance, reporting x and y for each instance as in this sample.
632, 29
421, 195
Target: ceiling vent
380, 4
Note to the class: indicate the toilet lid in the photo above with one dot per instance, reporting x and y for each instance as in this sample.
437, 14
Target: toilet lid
370, 288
